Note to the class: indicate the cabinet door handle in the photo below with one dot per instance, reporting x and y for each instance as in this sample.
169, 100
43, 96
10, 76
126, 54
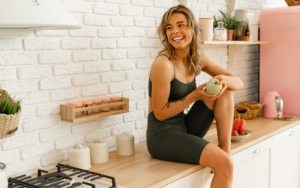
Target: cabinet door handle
257, 150
292, 133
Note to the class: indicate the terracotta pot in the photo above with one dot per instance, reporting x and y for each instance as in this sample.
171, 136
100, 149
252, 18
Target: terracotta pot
229, 34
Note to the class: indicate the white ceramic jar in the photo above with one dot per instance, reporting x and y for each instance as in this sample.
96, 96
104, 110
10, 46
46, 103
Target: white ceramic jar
3, 177
241, 14
125, 144
99, 151
253, 32
79, 156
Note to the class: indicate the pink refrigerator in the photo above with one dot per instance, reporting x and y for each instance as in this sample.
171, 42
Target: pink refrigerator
280, 61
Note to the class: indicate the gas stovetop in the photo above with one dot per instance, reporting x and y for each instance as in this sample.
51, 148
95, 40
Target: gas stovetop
66, 177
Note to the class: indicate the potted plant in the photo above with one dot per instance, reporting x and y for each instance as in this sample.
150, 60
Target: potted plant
230, 23
10, 112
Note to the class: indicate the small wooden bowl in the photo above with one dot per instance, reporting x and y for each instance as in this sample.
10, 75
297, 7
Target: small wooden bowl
241, 137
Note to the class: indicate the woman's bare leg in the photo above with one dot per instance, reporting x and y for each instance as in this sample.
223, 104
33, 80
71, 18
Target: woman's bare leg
223, 112
223, 108
217, 159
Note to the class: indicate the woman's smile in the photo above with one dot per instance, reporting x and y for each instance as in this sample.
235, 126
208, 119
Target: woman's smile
178, 39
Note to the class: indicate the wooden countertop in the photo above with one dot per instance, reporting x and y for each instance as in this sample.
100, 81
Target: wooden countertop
141, 170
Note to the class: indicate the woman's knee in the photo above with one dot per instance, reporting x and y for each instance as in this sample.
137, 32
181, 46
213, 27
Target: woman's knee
225, 168
215, 158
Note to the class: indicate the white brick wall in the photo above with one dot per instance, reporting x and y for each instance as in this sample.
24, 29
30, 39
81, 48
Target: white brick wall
111, 55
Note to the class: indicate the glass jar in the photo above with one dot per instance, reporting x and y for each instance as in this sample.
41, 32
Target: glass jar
105, 100
115, 99
220, 33
87, 104
97, 102
77, 105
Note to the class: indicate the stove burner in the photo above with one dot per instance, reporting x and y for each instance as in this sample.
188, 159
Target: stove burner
77, 184
58, 178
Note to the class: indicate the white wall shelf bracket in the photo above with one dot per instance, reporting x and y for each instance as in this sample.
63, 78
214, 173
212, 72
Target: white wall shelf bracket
233, 50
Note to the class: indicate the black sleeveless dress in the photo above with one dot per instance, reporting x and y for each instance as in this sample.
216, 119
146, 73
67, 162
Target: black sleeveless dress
179, 138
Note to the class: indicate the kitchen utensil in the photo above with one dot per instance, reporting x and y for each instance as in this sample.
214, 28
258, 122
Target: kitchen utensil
285, 118
79, 156
125, 144
99, 151
3, 177
273, 105
241, 137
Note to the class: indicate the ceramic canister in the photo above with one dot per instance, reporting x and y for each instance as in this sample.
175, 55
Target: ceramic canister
206, 28
99, 151
79, 156
253, 32
125, 144
3, 177
241, 14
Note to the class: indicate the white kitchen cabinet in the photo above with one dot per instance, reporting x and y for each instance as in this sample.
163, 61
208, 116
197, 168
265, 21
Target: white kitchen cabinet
285, 159
252, 166
199, 179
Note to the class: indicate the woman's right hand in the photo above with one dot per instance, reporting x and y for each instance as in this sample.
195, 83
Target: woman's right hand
201, 94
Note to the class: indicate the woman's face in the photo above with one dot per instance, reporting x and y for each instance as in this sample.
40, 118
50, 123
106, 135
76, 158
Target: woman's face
178, 33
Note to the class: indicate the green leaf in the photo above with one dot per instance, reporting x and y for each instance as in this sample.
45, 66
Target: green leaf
8, 106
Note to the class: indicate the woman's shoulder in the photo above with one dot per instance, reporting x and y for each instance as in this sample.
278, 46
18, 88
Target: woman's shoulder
162, 66
162, 61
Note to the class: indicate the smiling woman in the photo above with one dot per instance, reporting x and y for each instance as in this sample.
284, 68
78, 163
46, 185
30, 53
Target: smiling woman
189, 35
172, 135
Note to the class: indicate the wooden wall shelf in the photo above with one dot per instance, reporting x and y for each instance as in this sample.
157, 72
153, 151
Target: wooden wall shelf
235, 47
236, 42
67, 112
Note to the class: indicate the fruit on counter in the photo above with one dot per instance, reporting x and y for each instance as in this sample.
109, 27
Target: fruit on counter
234, 133
242, 126
213, 87
239, 124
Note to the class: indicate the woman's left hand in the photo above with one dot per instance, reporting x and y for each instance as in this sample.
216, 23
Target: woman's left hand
222, 80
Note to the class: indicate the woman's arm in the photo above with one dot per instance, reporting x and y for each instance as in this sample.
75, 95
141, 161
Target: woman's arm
161, 75
233, 82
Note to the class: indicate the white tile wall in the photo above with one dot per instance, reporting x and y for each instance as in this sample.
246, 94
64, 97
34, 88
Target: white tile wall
111, 55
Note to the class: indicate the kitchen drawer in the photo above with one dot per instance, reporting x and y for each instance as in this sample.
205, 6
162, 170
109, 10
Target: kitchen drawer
199, 179
280, 137
252, 151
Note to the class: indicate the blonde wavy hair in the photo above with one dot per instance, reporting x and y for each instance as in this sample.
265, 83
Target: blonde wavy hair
194, 57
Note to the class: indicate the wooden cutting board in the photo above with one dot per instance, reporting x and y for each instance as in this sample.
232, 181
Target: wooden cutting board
293, 2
